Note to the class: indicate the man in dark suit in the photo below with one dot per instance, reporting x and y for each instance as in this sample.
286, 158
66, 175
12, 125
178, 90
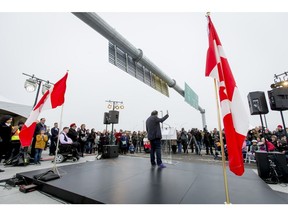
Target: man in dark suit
5, 137
54, 138
155, 136
40, 126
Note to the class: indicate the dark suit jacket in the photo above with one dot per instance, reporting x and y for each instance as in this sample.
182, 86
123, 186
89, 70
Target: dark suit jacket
153, 127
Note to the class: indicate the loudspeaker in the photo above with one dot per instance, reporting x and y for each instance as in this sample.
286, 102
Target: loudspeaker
257, 103
278, 99
110, 151
263, 165
114, 117
106, 118
279, 160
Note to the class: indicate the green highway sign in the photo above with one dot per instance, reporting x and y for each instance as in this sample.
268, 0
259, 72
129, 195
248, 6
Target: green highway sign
191, 97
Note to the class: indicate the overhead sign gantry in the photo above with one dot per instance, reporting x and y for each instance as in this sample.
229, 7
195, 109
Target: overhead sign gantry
132, 60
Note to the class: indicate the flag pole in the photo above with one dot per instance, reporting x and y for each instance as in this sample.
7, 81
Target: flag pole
57, 145
222, 145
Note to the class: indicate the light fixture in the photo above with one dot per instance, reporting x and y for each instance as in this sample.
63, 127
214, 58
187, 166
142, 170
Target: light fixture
30, 85
45, 87
282, 84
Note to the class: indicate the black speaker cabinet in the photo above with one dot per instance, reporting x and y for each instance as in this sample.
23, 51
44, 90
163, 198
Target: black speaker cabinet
106, 118
263, 165
110, 151
114, 117
279, 160
257, 103
278, 99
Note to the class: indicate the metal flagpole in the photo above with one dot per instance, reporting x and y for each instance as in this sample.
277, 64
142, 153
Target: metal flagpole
57, 145
222, 145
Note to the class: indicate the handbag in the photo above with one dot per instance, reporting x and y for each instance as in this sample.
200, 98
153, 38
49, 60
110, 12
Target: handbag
84, 139
47, 176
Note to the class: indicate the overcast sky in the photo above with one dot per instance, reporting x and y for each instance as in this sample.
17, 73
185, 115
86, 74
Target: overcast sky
47, 44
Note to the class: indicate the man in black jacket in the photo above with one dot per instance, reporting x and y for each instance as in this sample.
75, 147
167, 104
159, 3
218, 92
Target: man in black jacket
5, 135
54, 138
40, 126
155, 136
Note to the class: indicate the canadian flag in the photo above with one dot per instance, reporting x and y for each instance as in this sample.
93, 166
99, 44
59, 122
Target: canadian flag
52, 98
235, 118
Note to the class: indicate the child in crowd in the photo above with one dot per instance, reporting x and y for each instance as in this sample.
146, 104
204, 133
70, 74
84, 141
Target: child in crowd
41, 140
131, 148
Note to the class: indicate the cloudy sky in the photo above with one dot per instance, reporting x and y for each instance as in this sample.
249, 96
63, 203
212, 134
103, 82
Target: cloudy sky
47, 44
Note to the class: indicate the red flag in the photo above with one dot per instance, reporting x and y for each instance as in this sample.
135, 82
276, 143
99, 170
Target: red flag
235, 118
52, 98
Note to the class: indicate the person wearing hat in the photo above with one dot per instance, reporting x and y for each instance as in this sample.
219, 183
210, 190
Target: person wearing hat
280, 132
54, 138
5, 135
72, 133
155, 136
254, 146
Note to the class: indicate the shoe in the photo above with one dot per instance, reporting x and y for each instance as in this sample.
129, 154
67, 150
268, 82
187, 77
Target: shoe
153, 165
2, 170
161, 166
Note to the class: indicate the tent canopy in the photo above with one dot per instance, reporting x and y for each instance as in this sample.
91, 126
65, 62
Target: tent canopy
8, 107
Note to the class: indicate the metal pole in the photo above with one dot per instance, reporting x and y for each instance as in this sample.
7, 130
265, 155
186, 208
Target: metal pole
266, 126
37, 93
103, 28
284, 126
263, 131
111, 140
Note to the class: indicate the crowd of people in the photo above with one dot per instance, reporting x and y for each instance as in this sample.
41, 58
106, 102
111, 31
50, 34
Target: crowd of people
91, 141
257, 139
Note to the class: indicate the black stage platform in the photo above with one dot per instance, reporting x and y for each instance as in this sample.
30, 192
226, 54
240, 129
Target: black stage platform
131, 180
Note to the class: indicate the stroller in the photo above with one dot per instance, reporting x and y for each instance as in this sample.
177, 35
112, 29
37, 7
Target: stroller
67, 152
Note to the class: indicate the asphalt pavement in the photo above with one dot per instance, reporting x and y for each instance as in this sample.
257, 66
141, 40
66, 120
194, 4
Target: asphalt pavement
12, 195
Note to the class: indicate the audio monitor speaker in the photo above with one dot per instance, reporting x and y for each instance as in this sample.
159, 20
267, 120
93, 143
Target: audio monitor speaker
106, 118
114, 117
278, 99
257, 103
263, 165
110, 151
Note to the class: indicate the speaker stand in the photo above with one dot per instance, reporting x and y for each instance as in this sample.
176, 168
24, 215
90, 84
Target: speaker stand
284, 126
263, 131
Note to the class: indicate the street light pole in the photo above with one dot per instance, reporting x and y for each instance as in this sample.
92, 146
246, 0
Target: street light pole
37, 93
35, 81
113, 109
